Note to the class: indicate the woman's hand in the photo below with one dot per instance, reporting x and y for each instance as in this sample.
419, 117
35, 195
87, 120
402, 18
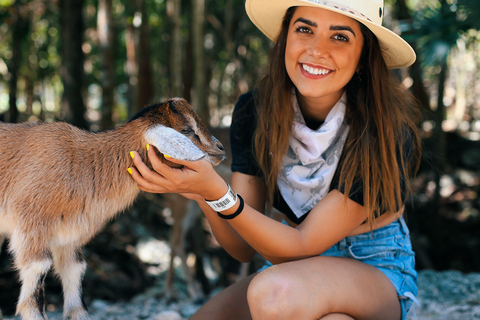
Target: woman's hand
196, 180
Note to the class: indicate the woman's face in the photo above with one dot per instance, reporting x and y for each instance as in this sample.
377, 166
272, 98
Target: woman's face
322, 53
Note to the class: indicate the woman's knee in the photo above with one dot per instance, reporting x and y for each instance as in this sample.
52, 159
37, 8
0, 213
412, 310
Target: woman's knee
270, 295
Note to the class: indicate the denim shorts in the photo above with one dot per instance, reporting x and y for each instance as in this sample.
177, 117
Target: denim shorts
388, 249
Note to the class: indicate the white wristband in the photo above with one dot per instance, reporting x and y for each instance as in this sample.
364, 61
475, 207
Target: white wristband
225, 202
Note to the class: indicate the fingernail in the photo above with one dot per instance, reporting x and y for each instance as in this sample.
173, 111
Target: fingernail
166, 156
148, 147
130, 170
132, 154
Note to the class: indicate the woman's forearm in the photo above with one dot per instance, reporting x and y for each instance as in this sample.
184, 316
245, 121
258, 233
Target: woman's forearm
273, 240
226, 235
331, 220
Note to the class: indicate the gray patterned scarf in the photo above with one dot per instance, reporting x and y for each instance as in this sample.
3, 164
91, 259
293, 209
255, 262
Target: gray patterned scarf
312, 158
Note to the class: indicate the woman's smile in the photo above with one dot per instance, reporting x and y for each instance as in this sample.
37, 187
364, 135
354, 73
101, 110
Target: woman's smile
314, 71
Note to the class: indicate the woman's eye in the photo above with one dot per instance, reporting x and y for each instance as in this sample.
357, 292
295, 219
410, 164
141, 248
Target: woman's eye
303, 29
341, 37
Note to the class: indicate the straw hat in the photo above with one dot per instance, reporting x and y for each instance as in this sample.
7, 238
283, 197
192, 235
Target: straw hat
267, 15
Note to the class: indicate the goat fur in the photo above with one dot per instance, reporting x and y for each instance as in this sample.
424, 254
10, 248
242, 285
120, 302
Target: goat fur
59, 185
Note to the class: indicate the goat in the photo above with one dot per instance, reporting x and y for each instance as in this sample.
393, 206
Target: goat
59, 185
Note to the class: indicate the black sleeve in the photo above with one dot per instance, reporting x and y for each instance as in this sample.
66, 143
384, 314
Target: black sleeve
244, 120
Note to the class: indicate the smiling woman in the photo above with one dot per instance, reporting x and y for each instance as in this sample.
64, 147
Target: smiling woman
329, 139
321, 56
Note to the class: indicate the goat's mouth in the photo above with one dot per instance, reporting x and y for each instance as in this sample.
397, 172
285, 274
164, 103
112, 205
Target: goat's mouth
216, 158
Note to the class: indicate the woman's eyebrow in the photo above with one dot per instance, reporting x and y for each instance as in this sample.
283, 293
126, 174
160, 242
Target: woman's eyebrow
342, 28
306, 21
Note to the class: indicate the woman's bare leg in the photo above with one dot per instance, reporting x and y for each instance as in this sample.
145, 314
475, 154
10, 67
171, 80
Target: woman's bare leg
313, 288
231, 303
336, 316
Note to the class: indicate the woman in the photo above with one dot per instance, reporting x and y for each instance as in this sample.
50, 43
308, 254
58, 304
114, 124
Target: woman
333, 145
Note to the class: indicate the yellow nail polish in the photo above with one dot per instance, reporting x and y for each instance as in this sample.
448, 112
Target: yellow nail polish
132, 154
130, 170
166, 156
148, 147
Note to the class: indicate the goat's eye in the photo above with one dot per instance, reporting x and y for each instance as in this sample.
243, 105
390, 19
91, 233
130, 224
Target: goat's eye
186, 131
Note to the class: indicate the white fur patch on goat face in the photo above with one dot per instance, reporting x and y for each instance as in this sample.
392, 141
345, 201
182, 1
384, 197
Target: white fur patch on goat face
172, 143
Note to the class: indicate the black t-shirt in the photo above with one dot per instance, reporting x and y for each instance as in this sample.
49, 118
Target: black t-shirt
243, 125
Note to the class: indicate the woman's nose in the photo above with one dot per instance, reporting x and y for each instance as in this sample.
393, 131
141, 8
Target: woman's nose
318, 49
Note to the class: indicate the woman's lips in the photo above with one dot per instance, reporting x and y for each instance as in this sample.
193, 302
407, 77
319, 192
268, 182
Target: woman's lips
314, 72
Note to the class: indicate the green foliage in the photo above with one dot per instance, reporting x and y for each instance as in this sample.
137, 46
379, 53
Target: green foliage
6, 3
439, 24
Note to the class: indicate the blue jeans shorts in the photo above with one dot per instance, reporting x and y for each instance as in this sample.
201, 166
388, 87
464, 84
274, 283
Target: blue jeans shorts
388, 249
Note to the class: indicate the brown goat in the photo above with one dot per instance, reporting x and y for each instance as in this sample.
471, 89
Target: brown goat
59, 185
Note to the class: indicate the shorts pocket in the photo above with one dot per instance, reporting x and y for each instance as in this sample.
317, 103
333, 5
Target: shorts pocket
384, 252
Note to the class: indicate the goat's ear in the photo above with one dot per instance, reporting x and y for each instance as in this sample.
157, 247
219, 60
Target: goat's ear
172, 143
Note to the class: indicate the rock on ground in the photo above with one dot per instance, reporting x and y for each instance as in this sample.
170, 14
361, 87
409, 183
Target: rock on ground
447, 295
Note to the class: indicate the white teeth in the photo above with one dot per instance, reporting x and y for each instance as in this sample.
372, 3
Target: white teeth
314, 71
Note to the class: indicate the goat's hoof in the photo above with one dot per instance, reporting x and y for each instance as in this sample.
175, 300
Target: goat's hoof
27, 313
76, 314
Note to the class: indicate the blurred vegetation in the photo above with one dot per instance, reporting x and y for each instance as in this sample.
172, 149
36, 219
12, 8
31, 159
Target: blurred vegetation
94, 63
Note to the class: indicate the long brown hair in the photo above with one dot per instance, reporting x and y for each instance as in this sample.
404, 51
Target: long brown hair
380, 113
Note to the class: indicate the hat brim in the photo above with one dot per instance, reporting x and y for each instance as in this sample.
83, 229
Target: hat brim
268, 15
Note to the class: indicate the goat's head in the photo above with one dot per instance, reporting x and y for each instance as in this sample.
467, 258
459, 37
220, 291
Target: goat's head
175, 129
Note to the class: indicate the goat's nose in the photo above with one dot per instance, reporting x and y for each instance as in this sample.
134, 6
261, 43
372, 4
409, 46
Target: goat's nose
220, 146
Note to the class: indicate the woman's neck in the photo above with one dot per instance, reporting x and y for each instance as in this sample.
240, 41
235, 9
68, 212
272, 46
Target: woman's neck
316, 109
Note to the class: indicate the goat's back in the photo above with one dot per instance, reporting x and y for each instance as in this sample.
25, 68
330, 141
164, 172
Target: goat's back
57, 175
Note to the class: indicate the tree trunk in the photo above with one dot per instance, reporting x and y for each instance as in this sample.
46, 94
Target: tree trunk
418, 89
145, 82
106, 38
131, 63
20, 29
72, 72
188, 70
199, 97
439, 142
173, 11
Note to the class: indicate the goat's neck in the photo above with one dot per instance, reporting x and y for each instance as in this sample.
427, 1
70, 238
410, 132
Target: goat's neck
117, 145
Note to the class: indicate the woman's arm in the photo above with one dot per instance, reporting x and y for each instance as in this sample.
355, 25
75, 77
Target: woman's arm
212, 187
252, 190
330, 220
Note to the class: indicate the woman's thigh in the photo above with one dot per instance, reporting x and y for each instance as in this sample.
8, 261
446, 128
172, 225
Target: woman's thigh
315, 287
230, 303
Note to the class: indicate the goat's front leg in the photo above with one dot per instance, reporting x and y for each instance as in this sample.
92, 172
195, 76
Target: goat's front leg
33, 262
2, 238
70, 266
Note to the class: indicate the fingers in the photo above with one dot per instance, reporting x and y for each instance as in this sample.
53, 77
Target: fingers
143, 184
147, 179
178, 176
162, 178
